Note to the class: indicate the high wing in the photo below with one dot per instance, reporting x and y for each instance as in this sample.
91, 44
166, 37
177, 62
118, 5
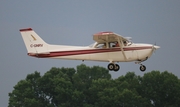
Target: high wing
108, 37
104, 37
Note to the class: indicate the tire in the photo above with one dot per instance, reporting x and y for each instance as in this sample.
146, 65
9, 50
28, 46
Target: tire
116, 68
111, 66
142, 68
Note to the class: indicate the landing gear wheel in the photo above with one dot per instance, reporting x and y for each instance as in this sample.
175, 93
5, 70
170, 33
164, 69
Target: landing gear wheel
117, 67
111, 66
142, 68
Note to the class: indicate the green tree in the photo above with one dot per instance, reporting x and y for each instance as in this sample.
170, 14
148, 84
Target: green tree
57, 87
93, 87
26, 93
119, 92
83, 80
162, 89
129, 86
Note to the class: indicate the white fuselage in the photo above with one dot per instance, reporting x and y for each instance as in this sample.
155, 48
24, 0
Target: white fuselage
134, 52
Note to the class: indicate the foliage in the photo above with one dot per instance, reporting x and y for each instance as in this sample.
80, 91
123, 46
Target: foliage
94, 87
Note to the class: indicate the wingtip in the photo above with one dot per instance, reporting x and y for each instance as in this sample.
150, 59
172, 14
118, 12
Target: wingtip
26, 29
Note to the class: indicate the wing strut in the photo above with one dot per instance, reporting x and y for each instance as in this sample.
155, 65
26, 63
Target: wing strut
121, 47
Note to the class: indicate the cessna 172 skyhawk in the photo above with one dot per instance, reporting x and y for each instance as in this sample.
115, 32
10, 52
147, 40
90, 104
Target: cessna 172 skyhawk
109, 47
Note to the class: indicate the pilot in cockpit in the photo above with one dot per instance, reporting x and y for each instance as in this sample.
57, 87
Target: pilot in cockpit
104, 46
117, 44
125, 43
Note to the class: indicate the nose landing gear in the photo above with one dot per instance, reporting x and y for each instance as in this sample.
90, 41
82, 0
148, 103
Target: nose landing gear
142, 68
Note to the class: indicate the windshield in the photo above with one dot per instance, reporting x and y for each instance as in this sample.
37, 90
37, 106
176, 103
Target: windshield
92, 45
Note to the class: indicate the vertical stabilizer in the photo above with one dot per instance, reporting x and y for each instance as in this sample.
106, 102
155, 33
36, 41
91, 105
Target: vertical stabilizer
34, 44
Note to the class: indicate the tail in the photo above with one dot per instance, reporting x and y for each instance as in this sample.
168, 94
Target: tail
34, 44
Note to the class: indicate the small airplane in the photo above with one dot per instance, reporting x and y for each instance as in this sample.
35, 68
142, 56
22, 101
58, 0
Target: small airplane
108, 47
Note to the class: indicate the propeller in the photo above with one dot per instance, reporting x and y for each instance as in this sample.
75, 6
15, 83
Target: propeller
155, 47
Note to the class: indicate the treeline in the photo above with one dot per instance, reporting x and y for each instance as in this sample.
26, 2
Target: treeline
94, 87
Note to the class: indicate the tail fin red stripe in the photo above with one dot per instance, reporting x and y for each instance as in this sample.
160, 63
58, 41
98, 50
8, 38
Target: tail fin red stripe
27, 29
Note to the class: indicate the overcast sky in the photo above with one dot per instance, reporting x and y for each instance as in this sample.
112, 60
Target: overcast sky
73, 22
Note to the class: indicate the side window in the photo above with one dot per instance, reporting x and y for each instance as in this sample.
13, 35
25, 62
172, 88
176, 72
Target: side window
101, 45
114, 44
111, 44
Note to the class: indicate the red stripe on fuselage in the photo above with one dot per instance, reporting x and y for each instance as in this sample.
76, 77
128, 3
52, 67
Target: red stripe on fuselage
89, 51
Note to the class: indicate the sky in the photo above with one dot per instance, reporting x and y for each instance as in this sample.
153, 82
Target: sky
73, 22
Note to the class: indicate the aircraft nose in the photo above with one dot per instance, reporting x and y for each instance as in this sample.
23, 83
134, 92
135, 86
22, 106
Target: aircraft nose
156, 47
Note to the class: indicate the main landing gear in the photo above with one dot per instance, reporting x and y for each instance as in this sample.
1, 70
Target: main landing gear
113, 67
